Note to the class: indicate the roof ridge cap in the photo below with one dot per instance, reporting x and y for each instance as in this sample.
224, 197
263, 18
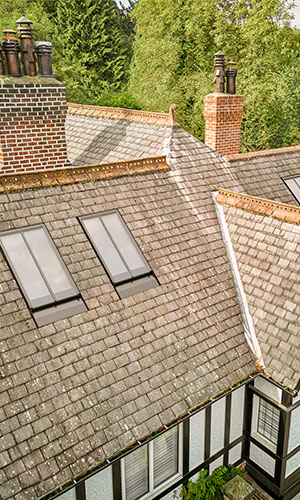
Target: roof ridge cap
266, 152
133, 115
74, 174
261, 206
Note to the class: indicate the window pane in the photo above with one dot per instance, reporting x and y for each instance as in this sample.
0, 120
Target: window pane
125, 244
49, 262
294, 185
26, 270
106, 249
268, 421
136, 474
165, 459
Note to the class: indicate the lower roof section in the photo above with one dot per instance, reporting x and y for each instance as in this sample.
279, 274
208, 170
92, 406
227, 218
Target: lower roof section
265, 236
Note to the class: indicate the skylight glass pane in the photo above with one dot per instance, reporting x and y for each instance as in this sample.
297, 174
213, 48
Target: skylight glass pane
165, 459
26, 270
294, 186
107, 250
125, 244
136, 474
49, 262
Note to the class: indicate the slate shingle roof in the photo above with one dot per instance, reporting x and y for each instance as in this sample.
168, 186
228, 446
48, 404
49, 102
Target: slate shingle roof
79, 390
267, 253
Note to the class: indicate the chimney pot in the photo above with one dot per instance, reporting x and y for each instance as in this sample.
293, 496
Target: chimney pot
219, 76
231, 73
11, 50
43, 51
1, 61
27, 46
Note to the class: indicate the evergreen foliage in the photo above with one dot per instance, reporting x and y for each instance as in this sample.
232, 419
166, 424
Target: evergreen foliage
210, 487
173, 62
93, 46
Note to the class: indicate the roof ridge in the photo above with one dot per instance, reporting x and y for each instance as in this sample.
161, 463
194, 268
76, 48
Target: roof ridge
261, 206
132, 115
75, 174
266, 152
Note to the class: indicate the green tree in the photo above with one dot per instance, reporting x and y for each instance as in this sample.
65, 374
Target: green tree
94, 48
173, 62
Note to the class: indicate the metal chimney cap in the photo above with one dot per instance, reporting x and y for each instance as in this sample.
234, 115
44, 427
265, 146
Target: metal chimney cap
23, 20
219, 53
12, 32
43, 44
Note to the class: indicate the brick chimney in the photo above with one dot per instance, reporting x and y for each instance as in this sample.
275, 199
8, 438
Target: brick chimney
223, 111
33, 109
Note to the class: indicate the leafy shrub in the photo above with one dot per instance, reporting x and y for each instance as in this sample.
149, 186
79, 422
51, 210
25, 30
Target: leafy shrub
210, 487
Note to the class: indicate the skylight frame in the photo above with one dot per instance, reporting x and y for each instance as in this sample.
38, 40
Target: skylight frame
129, 285
292, 177
61, 303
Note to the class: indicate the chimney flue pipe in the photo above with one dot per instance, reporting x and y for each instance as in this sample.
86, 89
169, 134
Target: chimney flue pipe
219, 77
11, 50
231, 73
43, 52
1, 61
27, 46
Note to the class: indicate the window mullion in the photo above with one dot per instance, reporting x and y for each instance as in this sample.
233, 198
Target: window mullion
151, 466
23, 233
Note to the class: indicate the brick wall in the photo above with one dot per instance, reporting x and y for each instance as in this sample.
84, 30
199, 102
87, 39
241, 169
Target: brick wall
32, 124
223, 115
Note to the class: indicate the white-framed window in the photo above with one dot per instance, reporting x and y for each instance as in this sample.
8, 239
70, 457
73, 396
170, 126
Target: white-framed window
268, 421
151, 468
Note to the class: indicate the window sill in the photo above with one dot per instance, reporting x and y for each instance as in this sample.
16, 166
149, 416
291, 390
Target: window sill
161, 487
264, 441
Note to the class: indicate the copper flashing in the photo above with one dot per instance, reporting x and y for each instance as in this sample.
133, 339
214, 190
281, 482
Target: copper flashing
132, 115
71, 175
257, 154
259, 206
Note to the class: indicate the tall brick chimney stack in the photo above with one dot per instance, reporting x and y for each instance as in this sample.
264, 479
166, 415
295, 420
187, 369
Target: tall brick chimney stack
223, 111
33, 108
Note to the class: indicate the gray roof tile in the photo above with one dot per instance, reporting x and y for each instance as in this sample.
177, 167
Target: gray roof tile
127, 360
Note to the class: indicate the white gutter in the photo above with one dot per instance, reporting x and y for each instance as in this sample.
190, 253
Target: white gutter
242, 299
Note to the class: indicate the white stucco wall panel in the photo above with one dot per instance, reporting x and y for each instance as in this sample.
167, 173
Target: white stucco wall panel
68, 495
197, 434
237, 413
294, 436
100, 485
235, 454
217, 426
261, 458
268, 388
292, 464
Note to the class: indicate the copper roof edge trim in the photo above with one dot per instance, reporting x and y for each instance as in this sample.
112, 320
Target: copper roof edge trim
133, 115
260, 206
257, 154
73, 174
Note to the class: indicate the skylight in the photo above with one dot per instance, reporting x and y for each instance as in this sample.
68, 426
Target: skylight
47, 286
293, 183
121, 257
